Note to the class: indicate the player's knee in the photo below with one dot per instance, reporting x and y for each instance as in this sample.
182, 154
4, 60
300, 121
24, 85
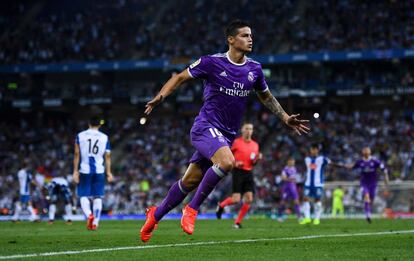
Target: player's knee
248, 200
227, 164
236, 198
190, 182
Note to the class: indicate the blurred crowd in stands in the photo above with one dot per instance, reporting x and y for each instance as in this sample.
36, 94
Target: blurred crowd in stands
50, 31
148, 158
362, 76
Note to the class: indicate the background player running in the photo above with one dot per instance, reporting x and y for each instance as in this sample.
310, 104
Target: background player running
92, 151
368, 171
246, 153
289, 189
338, 202
58, 189
25, 181
228, 80
315, 171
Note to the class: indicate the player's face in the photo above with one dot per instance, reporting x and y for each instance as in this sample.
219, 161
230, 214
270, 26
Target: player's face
243, 41
314, 152
291, 162
247, 131
366, 152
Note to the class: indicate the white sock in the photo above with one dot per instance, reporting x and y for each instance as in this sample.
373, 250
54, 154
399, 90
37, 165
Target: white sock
17, 210
306, 209
33, 215
86, 206
97, 209
68, 211
318, 209
52, 211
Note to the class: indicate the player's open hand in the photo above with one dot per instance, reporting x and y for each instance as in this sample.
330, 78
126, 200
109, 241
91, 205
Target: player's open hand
109, 177
76, 177
297, 124
152, 103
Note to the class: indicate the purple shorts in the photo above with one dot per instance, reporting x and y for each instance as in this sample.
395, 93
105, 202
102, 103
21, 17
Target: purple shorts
370, 189
289, 191
207, 139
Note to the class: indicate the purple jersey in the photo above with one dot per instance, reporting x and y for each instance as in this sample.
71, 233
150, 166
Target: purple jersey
227, 86
290, 172
289, 190
368, 170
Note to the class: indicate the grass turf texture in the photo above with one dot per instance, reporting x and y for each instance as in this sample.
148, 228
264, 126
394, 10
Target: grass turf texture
30, 238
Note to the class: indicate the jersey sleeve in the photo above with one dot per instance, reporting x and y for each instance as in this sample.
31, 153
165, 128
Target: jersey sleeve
380, 165
199, 69
77, 139
260, 85
357, 165
108, 146
234, 146
326, 161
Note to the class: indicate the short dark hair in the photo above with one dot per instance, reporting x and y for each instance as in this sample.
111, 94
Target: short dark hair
233, 27
247, 122
315, 146
94, 120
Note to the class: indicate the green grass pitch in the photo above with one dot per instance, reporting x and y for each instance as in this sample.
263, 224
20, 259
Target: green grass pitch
213, 240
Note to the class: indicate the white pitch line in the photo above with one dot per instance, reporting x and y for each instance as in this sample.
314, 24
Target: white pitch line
76, 252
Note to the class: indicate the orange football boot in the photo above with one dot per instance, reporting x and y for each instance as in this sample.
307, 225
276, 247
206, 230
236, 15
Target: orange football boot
149, 225
89, 222
188, 219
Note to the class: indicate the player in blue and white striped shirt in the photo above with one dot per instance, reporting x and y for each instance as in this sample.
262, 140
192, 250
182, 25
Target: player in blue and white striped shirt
92, 160
58, 189
25, 181
315, 176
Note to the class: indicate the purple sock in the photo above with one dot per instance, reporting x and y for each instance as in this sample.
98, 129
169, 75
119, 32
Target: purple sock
297, 210
367, 209
212, 177
175, 196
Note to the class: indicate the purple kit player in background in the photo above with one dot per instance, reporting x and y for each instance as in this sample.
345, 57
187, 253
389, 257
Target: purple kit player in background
289, 189
368, 170
229, 78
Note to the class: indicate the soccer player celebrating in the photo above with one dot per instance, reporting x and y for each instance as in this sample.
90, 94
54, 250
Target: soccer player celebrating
229, 78
289, 189
246, 154
93, 152
315, 168
58, 188
25, 180
368, 170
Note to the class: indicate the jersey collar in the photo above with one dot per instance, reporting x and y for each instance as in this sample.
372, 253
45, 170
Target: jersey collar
237, 64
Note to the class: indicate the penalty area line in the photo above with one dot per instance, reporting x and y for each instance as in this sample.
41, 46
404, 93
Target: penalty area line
206, 243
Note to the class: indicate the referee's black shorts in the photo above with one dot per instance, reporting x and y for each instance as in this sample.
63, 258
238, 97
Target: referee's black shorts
242, 181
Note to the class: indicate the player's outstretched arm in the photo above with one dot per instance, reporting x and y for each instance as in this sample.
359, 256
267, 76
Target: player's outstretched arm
76, 157
274, 106
349, 166
339, 165
168, 88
